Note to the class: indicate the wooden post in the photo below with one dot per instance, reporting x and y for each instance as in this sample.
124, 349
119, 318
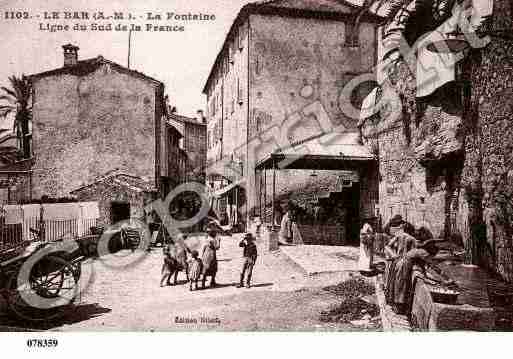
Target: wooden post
260, 194
265, 193
274, 192
236, 216
8, 189
30, 185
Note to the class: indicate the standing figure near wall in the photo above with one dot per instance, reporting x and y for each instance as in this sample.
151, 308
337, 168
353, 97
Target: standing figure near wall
396, 249
286, 233
366, 248
403, 276
209, 257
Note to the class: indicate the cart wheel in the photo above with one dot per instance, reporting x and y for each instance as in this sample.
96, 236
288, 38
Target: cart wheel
51, 278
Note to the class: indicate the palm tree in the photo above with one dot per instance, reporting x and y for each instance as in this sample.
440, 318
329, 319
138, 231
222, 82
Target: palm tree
17, 100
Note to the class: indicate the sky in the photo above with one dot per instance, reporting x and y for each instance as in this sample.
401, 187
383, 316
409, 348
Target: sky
181, 60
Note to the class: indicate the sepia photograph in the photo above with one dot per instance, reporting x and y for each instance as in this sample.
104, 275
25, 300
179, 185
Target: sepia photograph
256, 166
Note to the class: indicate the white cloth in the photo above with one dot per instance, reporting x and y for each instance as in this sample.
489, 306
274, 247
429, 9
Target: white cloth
434, 69
90, 210
286, 229
481, 9
365, 259
13, 214
369, 105
61, 211
31, 211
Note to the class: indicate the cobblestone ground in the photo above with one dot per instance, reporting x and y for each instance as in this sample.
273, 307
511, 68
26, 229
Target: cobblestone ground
130, 298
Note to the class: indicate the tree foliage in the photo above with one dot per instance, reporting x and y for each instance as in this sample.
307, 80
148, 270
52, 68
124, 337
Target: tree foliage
17, 100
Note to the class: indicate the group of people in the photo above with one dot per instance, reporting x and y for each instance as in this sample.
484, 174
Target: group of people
407, 249
203, 263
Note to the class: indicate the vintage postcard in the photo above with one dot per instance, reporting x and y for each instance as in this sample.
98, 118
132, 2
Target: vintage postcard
235, 165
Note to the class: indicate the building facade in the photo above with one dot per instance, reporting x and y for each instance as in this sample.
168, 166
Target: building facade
194, 144
278, 82
92, 117
176, 158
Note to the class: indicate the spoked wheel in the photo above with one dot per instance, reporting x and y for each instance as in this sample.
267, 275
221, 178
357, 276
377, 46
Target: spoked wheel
51, 288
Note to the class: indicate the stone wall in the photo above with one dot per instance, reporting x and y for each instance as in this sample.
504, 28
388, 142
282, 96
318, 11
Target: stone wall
195, 143
417, 144
488, 174
108, 191
297, 70
446, 160
87, 125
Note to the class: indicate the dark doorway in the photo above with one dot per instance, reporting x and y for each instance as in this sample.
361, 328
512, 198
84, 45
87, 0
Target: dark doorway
349, 199
119, 211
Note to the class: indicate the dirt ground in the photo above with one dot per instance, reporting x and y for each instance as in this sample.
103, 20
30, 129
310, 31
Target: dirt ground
129, 298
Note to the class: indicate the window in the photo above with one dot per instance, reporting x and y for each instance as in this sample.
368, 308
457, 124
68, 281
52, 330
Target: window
233, 97
352, 35
231, 54
240, 38
258, 65
240, 94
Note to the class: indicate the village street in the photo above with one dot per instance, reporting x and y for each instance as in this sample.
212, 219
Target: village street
282, 297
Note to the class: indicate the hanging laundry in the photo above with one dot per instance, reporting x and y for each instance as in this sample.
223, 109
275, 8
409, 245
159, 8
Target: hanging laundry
61, 211
31, 211
434, 69
90, 210
13, 214
482, 11
369, 106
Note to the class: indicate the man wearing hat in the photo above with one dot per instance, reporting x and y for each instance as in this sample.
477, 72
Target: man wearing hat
250, 256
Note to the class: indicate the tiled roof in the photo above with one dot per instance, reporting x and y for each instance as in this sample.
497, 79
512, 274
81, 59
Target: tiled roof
84, 67
314, 5
134, 183
180, 118
330, 144
175, 129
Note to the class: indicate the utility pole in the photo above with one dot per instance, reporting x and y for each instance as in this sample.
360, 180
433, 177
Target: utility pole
129, 45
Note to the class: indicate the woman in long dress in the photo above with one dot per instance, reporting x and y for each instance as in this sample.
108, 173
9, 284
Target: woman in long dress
397, 248
403, 276
209, 257
366, 248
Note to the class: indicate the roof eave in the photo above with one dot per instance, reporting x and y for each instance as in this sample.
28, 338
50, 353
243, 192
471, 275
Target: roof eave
252, 9
95, 61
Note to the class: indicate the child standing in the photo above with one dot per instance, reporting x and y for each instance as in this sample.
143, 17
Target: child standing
195, 268
250, 256
167, 266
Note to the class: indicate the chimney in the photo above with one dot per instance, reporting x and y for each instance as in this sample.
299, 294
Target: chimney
70, 54
201, 118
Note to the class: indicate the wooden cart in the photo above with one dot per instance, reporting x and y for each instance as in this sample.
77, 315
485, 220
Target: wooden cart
52, 277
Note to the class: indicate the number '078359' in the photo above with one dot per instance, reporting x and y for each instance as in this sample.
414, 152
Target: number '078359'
16, 15
42, 343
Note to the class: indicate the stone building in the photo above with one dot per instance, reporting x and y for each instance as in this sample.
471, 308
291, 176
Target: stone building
120, 196
176, 158
445, 145
194, 144
280, 73
92, 117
